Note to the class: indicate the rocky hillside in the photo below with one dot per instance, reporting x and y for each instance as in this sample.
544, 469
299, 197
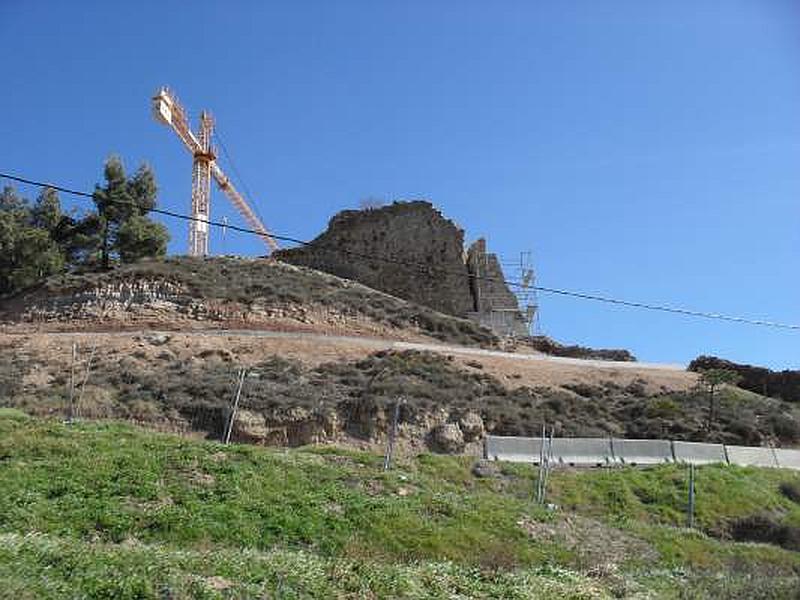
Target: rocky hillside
178, 293
301, 392
775, 384
183, 380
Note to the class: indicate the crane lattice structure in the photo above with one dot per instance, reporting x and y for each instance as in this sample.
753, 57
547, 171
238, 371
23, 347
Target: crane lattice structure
169, 111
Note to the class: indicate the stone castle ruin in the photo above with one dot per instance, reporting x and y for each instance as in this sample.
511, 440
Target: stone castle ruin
410, 250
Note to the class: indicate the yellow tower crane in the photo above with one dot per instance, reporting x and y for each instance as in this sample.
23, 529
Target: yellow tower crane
168, 111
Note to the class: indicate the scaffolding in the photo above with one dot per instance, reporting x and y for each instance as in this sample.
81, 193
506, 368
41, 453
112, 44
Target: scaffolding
524, 276
510, 310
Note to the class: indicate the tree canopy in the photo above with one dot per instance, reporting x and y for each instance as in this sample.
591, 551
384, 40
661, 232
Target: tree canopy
39, 239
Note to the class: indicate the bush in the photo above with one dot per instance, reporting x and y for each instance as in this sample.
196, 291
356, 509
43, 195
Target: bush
785, 427
791, 490
764, 529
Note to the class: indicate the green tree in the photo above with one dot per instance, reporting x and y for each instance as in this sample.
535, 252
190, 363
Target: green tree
79, 239
10, 201
114, 205
27, 253
39, 239
46, 212
122, 206
710, 381
140, 237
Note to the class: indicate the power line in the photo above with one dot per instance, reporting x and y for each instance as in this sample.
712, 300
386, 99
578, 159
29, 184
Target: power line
428, 269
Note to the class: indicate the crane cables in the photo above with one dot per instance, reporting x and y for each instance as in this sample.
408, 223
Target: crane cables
432, 270
251, 199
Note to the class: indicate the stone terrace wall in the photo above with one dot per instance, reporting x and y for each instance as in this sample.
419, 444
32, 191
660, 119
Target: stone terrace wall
405, 231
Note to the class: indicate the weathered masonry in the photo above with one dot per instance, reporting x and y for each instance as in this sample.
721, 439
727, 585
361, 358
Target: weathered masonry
410, 250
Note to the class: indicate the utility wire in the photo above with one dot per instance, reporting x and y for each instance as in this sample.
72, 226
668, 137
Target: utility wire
429, 269
253, 201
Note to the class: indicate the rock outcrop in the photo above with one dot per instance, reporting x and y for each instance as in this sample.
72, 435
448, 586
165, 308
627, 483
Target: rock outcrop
447, 438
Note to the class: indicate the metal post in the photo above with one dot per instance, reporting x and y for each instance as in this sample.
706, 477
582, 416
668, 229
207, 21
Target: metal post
690, 515
70, 407
235, 406
548, 455
542, 458
85, 378
387, 460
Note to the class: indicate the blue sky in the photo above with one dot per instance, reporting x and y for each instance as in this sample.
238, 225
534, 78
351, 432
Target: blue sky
642, 150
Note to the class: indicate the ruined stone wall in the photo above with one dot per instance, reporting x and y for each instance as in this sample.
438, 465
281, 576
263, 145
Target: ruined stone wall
466, 284
496, 306
489, 286
410, 232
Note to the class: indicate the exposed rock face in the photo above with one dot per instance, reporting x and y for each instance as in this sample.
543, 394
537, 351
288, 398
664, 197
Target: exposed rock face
447, 438
471, 425
113, 300
249, 426
411, 232
294, 427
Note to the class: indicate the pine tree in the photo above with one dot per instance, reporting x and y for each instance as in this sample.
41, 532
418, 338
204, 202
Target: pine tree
46, 212
114, 205
28, 253
140, 237
122, 207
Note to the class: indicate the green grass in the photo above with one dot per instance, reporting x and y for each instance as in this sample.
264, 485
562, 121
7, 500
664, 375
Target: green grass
109, 511
112, 483
47, 567
659, 495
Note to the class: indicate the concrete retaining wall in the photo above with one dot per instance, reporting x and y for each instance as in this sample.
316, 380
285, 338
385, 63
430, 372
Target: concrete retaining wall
513, 449
746, 456
582, 451
598, 452
698, 453
787, 458
642, 452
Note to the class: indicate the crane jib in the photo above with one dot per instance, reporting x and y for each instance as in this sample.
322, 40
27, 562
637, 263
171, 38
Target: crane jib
167, 110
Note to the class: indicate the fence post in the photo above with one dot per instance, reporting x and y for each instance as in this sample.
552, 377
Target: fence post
387, 460
690, 508
70, 406
547, 457
85, 379
542, 467
235, 405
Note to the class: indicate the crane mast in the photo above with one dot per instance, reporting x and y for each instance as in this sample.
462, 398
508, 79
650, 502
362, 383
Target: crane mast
168, 111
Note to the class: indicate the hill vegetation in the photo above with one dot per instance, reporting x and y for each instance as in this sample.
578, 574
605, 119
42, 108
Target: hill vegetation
108, 511
227, 292
40, 239
171, 382
776, 384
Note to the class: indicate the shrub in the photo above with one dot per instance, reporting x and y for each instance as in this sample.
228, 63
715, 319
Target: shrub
785, 427
791, 490
764, 529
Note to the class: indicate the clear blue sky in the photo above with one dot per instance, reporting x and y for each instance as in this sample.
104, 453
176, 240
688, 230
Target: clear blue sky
643, 150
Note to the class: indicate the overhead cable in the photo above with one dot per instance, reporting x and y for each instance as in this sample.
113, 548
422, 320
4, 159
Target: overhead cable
430, 269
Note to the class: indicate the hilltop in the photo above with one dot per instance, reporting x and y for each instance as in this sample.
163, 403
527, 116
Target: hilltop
182, 292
